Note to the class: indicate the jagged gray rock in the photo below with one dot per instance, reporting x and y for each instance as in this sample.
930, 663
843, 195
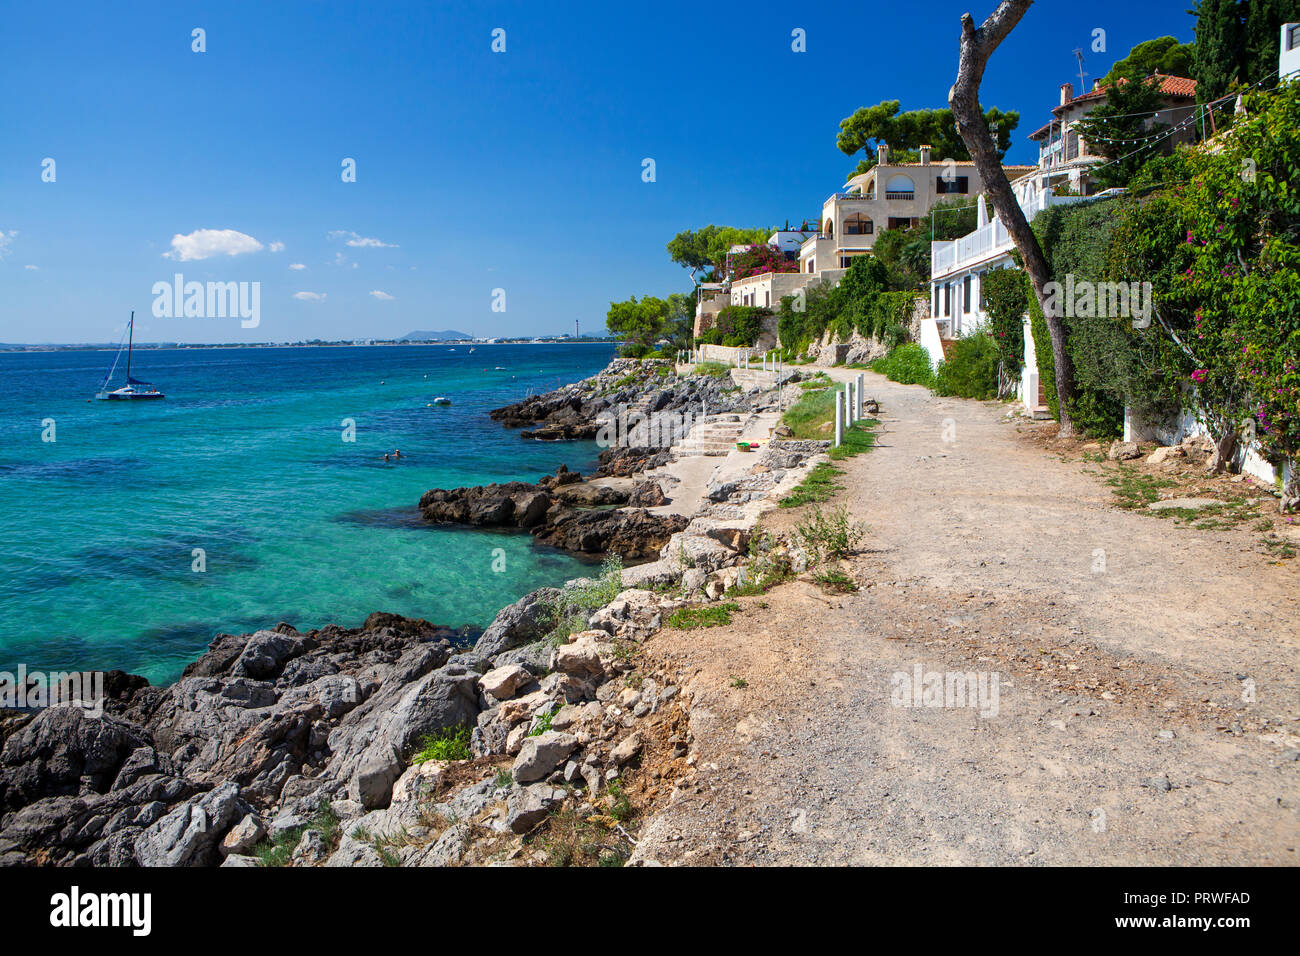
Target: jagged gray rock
527, 620
540, 755
188, 835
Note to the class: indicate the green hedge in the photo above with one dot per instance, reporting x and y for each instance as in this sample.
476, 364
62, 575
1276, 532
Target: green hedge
970, 369
908, 364
740, 325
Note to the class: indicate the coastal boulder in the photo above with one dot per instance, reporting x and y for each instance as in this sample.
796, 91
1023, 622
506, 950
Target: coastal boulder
243, 836
188, 835
648, 494
540, 755
501, 683
581, 658
528, 806
265, 654
64, 750
527, 620
633, 533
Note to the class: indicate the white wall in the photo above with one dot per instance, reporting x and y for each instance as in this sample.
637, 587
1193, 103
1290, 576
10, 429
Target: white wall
1288, 59
1029, 374
931, 342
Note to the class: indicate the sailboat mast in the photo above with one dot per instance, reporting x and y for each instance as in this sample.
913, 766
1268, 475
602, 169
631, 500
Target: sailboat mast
130, 336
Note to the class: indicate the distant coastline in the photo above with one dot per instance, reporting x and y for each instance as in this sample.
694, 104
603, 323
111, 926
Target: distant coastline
6, 347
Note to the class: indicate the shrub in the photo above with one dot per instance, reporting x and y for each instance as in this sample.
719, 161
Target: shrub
449, 744
570, 611
830, 535
759, 259
1004, 291
741, 325
834, 580
970, 370
908, 364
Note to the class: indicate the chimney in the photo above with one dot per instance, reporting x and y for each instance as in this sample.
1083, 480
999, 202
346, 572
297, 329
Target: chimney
1067, 93
925, 154
882, 154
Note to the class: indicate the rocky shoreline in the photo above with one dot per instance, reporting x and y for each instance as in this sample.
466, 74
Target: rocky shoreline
314, 748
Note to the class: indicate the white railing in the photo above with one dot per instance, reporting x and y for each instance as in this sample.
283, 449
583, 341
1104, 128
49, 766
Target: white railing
991, 239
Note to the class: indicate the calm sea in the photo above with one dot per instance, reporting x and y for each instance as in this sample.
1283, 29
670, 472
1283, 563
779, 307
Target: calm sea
244, 468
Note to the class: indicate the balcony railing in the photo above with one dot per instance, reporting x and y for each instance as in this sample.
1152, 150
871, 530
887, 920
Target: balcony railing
900, 195
989, 240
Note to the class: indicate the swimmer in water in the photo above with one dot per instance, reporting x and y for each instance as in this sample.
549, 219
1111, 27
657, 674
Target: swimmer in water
398, 454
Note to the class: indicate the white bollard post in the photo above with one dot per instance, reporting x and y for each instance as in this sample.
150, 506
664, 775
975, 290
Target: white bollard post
839, 418
862, 382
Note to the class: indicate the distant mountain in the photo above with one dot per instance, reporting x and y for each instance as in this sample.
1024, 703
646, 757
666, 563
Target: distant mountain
448, 334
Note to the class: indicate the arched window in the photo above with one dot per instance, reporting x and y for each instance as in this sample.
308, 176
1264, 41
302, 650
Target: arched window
900, 187
858, 225
829, 231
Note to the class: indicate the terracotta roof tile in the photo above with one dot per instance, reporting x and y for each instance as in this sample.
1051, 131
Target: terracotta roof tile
1177, 87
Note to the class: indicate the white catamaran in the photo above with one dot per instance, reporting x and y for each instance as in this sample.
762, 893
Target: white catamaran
134, 388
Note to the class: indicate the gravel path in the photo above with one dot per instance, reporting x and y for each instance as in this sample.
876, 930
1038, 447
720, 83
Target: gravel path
1124, 649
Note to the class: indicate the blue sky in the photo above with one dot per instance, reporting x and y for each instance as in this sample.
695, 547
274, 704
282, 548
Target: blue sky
476, 170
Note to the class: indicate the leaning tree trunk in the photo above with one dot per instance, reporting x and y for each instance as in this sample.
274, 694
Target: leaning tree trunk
977, 45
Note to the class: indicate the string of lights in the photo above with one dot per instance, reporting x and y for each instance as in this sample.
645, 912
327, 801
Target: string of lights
1165, 134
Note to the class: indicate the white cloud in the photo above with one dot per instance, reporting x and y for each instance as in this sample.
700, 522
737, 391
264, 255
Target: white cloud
297, 266
309, 296
6, 239
384, 296
206, 243
357, 241
276, 247
33, 268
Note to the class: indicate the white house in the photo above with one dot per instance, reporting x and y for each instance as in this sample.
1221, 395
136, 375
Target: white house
1288, 61
1065, 160
888, 196
957, 271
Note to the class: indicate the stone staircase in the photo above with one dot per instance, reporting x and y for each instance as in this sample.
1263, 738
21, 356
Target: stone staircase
715, 435
747, 378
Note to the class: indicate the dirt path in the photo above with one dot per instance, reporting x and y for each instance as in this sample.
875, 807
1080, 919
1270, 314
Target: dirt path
1123, 647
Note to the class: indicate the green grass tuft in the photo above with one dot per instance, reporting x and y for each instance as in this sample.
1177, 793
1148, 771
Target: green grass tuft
449, 744
705, 615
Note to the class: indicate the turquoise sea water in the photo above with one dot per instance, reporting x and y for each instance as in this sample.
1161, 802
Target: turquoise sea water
245, 459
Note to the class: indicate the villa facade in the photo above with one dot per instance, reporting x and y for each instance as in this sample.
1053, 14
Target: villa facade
1064, 158
887, 196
